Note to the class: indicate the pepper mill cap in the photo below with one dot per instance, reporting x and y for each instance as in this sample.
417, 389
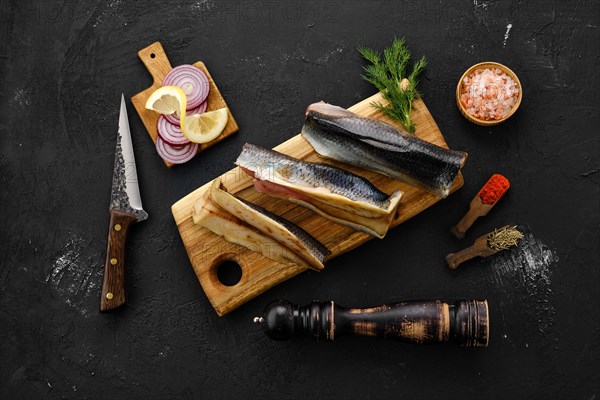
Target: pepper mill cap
277, 320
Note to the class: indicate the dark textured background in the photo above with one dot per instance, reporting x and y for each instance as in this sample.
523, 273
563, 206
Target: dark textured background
63, 66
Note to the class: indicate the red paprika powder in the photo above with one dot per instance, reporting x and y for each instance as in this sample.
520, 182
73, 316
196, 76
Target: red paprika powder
495, 188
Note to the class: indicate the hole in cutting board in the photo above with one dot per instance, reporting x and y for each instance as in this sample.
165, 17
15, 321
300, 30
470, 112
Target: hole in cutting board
152, 55
229, 273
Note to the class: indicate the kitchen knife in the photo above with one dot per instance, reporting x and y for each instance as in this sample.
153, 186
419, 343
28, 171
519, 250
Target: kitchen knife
125, 209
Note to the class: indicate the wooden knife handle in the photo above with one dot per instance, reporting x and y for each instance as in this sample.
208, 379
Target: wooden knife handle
465, 322
113, 283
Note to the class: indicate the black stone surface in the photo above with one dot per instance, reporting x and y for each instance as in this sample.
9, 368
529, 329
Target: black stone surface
63, 66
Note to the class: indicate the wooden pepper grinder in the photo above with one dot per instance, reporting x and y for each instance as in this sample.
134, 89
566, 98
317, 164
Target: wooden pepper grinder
465, 322
491, 243
481, 204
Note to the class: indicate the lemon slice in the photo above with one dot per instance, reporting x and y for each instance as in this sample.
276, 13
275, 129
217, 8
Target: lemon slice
168, 100
202, 128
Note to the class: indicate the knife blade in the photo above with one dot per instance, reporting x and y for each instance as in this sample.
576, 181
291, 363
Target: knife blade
125, 209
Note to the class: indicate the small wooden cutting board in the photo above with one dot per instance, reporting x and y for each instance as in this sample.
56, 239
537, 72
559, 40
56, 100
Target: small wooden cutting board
157, 63
208, 251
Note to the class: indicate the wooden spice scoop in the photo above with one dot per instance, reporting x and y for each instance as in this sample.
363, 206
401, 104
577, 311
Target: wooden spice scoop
482, 203
491, 243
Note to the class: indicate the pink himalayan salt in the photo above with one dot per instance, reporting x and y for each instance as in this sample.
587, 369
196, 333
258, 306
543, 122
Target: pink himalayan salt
489, 94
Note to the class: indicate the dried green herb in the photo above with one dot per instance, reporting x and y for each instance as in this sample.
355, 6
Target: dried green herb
388, 73
504, 238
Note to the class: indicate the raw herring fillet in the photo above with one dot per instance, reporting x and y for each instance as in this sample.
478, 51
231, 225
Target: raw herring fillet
334, 193
339, 134
234, 230
277, 228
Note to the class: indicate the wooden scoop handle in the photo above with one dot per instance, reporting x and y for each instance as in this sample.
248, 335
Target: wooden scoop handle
479, 249
476, 209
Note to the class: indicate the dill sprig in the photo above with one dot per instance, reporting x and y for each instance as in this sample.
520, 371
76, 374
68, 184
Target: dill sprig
388, 73
504, 238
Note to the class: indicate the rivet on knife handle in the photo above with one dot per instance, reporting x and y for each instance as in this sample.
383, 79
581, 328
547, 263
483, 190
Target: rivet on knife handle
113, 284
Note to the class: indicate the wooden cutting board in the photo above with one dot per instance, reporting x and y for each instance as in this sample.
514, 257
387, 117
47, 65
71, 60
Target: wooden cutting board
157, 63
208, 251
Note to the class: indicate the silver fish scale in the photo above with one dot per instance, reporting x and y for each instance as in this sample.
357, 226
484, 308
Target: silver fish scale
302, 173
380, 147
312, 244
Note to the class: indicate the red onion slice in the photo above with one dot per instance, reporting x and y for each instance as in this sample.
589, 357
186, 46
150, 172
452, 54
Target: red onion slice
175, 155
170, 133
192, 80
174, 119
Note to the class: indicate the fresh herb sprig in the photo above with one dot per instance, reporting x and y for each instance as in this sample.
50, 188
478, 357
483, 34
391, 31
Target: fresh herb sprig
388, 73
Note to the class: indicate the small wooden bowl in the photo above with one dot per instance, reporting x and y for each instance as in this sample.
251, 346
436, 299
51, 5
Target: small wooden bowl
490, 65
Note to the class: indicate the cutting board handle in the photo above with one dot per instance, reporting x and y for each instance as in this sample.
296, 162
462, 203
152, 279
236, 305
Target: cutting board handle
156, 61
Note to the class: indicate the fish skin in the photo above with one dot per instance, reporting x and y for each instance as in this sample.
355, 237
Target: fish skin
267, 163
316, 247
337, 133
210, 216
278, 228
334, 193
